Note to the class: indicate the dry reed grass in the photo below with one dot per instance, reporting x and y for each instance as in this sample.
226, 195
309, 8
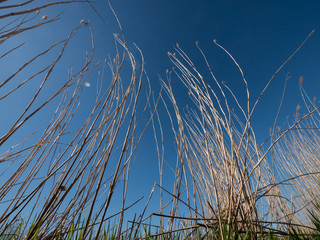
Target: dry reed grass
223, 177
65, 166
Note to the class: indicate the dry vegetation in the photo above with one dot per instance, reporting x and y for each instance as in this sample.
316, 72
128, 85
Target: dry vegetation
229, 177
68, 167
225, 181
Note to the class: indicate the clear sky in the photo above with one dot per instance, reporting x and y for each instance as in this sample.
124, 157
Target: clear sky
260, 35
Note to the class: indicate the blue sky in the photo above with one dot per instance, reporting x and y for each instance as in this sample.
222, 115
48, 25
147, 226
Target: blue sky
260, 35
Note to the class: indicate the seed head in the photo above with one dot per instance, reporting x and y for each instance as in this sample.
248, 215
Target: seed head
44, 17
300, 79
82, 21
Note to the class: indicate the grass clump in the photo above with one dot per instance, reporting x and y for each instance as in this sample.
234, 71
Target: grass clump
227, 179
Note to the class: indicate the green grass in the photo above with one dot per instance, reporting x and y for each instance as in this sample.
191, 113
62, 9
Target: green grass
109, 232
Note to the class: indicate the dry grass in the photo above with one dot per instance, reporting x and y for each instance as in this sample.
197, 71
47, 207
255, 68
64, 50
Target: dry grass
225, 182
223, 174
68, 167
